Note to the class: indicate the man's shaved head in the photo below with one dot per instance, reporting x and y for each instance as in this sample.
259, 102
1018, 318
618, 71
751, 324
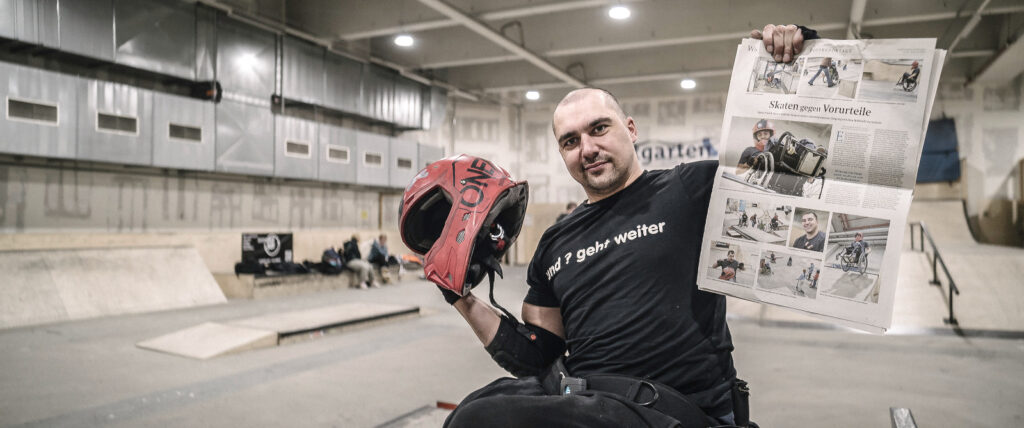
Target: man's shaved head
608, 98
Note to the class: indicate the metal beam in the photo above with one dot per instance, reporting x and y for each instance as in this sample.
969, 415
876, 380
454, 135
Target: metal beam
487, 16
856, 18
620, 80
282, 29
971, 24
1005, 67
499, 39
679, 41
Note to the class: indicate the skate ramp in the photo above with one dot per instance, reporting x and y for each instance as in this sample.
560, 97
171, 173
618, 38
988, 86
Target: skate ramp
209, 340
44, 286
945, 219
988, 276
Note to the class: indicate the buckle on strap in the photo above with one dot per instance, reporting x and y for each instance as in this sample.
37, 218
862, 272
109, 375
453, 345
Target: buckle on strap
637, 388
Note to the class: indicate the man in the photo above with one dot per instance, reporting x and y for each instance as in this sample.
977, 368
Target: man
630, 309
568, 210
763, 132
911, 75
354, 261
823, 67
858, 246
729, 266
813, 239
380, 258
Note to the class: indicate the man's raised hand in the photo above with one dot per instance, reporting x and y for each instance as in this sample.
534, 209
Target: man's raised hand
784, 42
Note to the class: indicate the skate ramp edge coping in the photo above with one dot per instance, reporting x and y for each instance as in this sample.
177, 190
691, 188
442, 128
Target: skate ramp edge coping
214, 339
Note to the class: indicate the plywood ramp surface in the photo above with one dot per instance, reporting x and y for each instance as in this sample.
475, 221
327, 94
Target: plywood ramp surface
42, 286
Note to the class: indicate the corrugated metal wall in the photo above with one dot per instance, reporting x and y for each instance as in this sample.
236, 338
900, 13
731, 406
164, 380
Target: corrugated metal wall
63, 116
158, 36
40, 112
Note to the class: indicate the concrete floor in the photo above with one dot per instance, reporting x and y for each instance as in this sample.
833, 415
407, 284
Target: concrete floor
803, 373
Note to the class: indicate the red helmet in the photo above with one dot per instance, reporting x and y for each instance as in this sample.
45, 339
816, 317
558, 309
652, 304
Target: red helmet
462, 212
763, 125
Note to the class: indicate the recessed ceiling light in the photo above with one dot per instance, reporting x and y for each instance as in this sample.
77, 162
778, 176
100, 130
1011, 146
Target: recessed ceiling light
404, 40
687, 84
619, 12
532, 95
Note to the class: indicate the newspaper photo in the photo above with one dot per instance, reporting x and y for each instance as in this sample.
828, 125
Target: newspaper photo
816, 174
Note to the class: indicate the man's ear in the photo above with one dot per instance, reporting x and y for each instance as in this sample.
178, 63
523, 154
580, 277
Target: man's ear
634, 134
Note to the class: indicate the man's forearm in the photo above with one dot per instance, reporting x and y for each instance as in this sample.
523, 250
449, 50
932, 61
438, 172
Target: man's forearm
482, 318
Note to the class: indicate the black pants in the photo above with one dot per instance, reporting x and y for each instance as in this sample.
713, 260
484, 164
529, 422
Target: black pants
528, 402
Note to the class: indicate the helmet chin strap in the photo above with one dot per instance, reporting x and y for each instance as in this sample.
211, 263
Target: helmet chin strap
492, 266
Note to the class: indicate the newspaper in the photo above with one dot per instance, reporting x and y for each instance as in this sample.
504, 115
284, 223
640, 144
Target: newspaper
816, 176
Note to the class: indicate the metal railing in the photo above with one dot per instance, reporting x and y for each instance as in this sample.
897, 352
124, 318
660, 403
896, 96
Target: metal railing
936, 260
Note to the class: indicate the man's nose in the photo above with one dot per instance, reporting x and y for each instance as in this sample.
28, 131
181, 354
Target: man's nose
588, 146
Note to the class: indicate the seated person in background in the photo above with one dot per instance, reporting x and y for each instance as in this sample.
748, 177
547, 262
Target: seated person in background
568, 210
380, 258
915, 71
857, 247
354, 261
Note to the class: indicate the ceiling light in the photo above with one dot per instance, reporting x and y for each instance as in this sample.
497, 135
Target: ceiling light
404, 40
687, 84
532, 95
619, 12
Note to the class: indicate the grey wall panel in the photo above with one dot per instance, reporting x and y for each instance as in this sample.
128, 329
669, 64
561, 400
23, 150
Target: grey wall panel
8, 18
31, 21
435, 106
114, 123
372, 159
206, 43
408, 105
245, 138
303, 71
338, 154
429, 154
157, 36
87, 28
295, 148
378, 94
183, 133
343, 83
23, 135
404, 163
246, 57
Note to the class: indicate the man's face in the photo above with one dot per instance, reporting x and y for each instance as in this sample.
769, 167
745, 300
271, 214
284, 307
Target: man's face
858, 238
731, 255
762, 137
809, 223
596, 144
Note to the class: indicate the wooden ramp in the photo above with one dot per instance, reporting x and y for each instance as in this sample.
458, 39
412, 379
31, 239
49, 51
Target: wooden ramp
209, 340
44, 286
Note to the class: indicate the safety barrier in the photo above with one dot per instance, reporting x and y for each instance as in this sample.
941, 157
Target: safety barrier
936, 260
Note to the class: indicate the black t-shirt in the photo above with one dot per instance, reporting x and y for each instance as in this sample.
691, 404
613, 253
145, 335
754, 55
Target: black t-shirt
817, 243
623, 272
747, 157
726, 263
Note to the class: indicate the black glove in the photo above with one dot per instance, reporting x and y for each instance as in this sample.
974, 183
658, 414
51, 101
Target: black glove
449, 296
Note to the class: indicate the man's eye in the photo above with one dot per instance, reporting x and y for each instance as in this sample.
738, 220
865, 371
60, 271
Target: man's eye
600, 128
569, 142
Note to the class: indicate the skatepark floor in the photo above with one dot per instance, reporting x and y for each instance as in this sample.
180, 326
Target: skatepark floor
803, 372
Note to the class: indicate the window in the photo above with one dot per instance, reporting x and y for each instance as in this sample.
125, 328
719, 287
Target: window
404, 163
337, 154
32, 111
183, 132
296, 149
114, 123
373, 159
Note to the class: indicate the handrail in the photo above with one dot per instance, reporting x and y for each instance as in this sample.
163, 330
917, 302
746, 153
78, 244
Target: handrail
936, 259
